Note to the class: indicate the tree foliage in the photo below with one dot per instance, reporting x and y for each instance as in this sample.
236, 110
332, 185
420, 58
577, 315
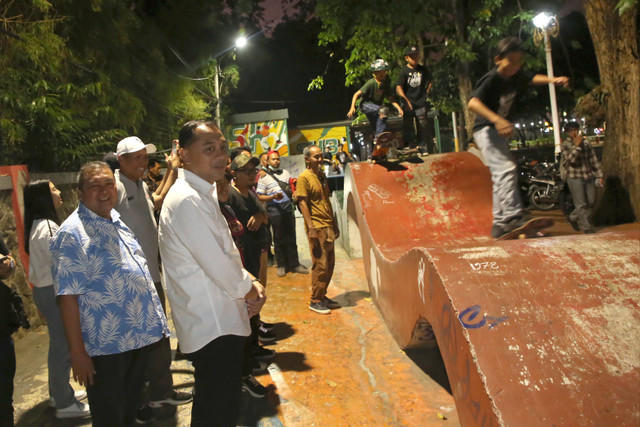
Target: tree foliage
77, 75
457, 38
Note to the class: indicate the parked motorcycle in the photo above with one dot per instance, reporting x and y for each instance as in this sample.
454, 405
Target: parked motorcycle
541, 186
543, 193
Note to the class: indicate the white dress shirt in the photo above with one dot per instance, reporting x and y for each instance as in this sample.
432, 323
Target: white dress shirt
39, 256
203, 272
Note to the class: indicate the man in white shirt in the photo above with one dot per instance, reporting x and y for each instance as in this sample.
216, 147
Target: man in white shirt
212, 296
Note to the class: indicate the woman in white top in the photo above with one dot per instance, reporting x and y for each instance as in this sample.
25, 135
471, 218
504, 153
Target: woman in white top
41, 198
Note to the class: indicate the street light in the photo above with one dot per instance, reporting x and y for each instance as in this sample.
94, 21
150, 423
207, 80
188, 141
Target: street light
239, 44
547, 26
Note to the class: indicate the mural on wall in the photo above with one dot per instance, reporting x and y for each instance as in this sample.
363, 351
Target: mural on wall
331, 137
261, 137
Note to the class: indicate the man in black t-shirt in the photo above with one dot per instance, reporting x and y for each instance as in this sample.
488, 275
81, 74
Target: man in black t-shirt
412, 88
491, 100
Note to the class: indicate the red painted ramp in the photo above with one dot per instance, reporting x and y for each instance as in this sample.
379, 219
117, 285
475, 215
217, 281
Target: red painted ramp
532, 332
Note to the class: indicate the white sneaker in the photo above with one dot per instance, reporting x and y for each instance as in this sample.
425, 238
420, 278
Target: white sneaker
77, 409
79, 395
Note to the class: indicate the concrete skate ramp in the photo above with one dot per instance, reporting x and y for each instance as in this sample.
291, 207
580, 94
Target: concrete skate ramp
532, 332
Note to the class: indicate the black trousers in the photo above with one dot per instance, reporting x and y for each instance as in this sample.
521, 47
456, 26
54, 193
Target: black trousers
284, 238
158, 369
116, 393
218, 378
417, 129
250, 346
7, 373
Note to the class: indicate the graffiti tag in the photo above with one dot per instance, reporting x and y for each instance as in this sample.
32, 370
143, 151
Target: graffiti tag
470, 318
379, 191
476, 266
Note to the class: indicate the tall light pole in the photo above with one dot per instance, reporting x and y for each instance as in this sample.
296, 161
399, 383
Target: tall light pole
547, 26
240, 43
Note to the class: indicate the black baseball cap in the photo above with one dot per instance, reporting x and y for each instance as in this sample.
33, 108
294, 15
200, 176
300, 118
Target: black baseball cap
412, 50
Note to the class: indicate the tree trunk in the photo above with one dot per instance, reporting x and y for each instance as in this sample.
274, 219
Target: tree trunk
462, 70
615, 39
465, 86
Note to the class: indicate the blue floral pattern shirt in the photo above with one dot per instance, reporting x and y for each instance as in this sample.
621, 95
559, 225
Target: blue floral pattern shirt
102, 262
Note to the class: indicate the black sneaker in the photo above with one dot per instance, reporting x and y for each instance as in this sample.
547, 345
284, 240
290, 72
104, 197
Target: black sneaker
176, 398
329, 303
574, 224
319, 307
264, 335
516, 222
496, 231
258, 367
145, 415
267, 326
263, 354
253, 387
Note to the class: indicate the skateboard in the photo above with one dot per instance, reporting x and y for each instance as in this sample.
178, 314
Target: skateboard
384, 142
532, 228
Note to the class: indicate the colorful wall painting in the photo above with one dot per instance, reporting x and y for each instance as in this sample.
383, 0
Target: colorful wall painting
261, 137
331, 137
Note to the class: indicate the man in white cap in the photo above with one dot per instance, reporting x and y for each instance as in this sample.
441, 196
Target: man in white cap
136, 205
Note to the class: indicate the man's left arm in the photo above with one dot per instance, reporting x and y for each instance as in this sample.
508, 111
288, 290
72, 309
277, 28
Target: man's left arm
541, 79
391, 97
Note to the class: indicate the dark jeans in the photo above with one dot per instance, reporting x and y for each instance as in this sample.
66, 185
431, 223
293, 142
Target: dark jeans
372, 111
218, 382
58, 360
158, 369
116, 393
284, 238
7, 373
416, 129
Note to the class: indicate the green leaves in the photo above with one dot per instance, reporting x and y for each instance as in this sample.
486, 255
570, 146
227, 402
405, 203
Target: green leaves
625, 5
78, 75
457, 38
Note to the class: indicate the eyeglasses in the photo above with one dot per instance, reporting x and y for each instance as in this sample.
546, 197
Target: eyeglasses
249, 171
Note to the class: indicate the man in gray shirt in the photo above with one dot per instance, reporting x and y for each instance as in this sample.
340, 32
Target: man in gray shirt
136, 205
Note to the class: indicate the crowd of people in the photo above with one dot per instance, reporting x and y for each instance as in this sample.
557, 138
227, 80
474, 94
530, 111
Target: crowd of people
205, 229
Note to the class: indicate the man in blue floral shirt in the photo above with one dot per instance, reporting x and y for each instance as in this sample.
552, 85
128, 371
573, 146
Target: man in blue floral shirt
110, 308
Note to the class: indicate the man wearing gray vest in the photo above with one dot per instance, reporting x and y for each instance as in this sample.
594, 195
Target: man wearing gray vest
136, 205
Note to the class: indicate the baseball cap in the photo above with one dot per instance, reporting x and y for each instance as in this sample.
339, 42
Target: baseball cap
242, 160
133, 144
411, 51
